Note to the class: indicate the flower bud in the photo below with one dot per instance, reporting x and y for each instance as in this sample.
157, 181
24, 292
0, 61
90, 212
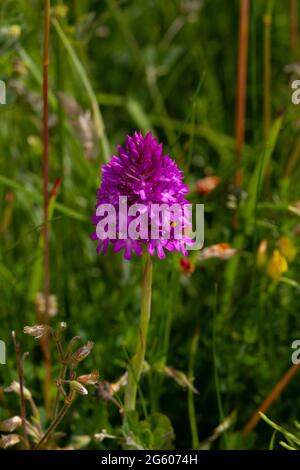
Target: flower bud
9, 425
82, 352
15, 387
89, 379
186, 266
261, 255
77, 387
10, 440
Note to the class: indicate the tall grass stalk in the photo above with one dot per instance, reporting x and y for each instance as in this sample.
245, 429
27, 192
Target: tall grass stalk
191, 400
98, 119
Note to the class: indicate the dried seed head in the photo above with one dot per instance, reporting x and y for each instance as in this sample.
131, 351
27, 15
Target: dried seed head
9, 425
10, 440
82, 353
15, 387
40, 305
77, 387
37, 331
89, 379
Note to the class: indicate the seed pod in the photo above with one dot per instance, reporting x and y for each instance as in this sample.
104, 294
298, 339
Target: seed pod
15, 387
82, 353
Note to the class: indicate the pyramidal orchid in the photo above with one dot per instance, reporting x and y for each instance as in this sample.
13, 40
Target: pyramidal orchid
148, 178
150, 183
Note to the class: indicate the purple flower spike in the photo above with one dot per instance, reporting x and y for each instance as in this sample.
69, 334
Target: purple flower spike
145, 176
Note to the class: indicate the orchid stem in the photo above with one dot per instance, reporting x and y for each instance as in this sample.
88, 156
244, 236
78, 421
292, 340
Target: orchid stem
136, 363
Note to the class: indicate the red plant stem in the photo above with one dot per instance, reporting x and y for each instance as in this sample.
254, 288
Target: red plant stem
273, 395
45, 342
46, 153
267, 21
241, 87
293, 24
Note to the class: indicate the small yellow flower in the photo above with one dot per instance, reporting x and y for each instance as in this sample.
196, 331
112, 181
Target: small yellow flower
12, 32
287, 248
60, 11
277, 265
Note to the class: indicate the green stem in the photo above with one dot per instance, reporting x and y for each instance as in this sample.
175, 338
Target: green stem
136, 363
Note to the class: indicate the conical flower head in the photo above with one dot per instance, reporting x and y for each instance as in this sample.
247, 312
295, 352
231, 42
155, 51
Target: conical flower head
143, 175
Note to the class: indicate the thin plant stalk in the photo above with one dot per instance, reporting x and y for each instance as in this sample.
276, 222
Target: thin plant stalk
20, 370
293, 24
293, 160
253, 53
191, 401
136, 363
54, 423
46, 152
241, 87
98, 119
267, 69
45, 341
62, 375
268, 401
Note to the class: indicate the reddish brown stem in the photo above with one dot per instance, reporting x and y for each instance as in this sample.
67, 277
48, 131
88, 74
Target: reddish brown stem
45, 342
46, 152
273, 395
293, 24
241, 87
